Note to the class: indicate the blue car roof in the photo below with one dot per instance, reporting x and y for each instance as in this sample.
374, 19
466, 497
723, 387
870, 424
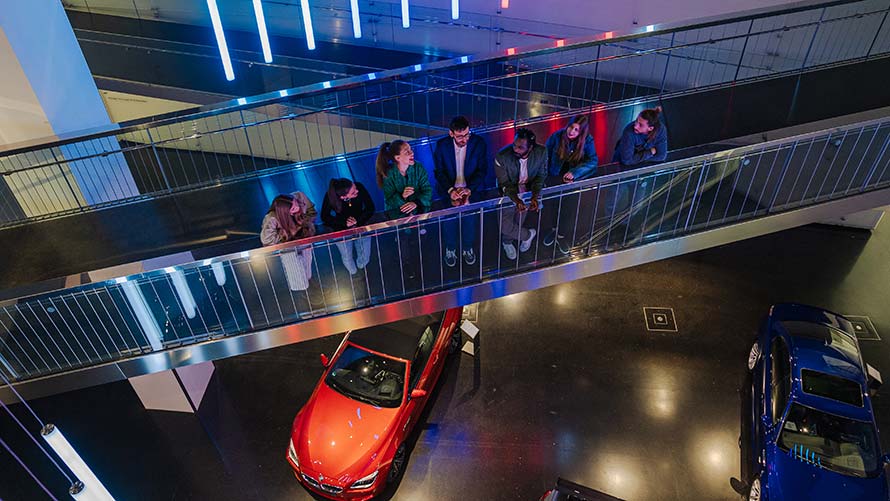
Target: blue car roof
805, 330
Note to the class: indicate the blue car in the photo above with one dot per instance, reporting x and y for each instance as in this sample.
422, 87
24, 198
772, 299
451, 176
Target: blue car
811, 431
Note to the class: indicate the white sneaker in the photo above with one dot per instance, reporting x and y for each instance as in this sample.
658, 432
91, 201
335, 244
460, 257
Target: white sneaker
451, 257
510, 249
469, 257
525, 244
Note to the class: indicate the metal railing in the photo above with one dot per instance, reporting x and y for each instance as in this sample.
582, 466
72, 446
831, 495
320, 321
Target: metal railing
263, 288
296, 128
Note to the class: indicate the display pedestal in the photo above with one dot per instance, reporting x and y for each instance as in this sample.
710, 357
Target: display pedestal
177, 390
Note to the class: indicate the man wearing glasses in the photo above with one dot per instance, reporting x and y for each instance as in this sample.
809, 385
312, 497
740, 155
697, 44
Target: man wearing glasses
460, 164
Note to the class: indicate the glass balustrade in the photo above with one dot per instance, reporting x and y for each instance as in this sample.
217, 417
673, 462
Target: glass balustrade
225, 296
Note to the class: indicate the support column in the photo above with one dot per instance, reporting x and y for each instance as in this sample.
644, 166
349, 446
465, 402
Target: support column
46, 90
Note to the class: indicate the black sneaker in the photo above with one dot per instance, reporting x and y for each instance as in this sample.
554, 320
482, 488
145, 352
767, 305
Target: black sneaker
549, 238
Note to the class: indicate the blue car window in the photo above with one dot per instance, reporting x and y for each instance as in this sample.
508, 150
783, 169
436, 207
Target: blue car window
833, 387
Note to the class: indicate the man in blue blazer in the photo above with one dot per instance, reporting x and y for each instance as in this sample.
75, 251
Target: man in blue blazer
460, 164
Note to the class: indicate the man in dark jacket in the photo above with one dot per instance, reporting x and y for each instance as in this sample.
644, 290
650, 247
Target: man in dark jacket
460, 164
520, 167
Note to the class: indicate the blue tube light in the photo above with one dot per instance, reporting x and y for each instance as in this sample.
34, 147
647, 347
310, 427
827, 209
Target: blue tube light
221, 40
455, 9
356, 20
307, 25
406, 20
261, 27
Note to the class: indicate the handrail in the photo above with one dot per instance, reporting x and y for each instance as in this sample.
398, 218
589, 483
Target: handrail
279, 97
226, 296
548, 192
395, 74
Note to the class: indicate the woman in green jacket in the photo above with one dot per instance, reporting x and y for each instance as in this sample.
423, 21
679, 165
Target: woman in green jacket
405, 183
406, 191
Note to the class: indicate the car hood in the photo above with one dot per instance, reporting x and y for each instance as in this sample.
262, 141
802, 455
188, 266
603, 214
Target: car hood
794, 479
338, 436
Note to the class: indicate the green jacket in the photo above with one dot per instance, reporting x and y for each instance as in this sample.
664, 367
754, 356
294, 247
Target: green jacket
417, 177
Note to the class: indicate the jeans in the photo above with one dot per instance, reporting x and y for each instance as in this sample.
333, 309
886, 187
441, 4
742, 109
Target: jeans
362, 248
468, 226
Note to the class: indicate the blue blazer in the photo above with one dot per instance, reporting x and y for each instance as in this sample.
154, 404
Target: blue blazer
475, 166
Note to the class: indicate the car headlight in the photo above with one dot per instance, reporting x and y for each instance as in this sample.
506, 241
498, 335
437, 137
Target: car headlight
292, 453
366, 482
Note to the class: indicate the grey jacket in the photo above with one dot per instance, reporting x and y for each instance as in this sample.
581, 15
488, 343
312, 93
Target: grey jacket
506, 168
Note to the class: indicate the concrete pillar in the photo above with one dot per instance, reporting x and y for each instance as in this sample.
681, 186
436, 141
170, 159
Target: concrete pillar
46, 90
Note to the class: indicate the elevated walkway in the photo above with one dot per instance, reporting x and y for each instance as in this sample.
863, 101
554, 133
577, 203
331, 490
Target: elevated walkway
224, 306
108, 325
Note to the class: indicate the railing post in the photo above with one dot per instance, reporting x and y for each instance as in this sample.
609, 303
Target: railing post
813, 40
668, 63
701, 175
785, 165
247, 138
871, 46
738, 67
154, 151
65, 177
877, 162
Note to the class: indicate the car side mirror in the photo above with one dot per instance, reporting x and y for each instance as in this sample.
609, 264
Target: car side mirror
325, 361
418, 393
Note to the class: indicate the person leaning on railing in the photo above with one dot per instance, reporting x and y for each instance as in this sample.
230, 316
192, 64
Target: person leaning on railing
520, 167
572, 157
406, 191
348, 205
460, 165
291, 217
643, 142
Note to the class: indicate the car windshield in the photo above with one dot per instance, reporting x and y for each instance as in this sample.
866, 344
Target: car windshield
833, 387
368, 377
836, 443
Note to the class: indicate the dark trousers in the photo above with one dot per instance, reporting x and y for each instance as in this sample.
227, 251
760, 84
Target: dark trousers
467, 226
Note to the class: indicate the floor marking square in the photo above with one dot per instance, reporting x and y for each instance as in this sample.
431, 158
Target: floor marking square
863, 327
660, 319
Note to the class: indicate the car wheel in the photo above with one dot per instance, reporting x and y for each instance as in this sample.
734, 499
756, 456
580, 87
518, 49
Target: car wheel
754, 491
398, 464
753, 356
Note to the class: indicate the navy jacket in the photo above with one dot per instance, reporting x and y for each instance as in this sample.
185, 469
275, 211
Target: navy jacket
585, 168
633, 149
475, 166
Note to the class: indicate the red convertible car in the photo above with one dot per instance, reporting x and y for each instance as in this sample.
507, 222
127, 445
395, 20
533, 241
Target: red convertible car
348, 441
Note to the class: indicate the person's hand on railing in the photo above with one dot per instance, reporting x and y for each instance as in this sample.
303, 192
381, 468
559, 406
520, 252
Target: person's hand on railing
350, 222
568, 177
408, 207
534, 205
520, 206
407, 192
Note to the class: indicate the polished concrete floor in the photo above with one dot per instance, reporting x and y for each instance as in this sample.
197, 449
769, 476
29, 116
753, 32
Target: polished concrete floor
567, 381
